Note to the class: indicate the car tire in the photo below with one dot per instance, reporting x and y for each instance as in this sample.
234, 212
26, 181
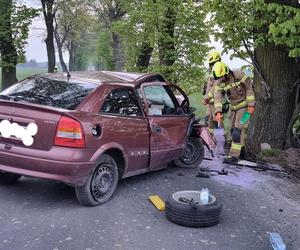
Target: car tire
193, 155
101, 183
193, 215
9, 178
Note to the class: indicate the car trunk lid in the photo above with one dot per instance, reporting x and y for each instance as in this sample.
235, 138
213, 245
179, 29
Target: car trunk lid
15, 118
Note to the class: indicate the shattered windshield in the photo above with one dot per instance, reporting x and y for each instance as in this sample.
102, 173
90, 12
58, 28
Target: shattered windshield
50, 92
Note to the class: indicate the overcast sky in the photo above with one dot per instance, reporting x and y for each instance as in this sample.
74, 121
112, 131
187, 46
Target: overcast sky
36, 47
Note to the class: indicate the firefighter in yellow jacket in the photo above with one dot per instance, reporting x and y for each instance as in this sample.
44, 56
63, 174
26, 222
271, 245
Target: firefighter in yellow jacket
238, 88
208, 91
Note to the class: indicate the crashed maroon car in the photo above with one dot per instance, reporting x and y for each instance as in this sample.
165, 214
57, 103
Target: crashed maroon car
94, 128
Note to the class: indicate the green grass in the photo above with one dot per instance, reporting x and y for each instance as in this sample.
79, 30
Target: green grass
273, 152
25, 72
195, 101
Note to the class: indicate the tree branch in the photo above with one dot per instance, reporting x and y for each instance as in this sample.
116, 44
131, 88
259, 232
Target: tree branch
242, 57
258, 70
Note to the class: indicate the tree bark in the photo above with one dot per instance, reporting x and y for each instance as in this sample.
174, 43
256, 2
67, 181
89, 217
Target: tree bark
9, 57
61, 58
144, 56
8, 77
166, 41
71, 48
49, 13
60, 43
271, 119
118, 57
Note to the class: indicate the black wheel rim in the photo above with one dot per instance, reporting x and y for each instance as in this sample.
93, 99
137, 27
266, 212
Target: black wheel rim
102, 181
191, 153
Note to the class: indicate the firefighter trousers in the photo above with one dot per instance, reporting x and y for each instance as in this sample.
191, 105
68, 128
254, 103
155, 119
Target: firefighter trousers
238, 132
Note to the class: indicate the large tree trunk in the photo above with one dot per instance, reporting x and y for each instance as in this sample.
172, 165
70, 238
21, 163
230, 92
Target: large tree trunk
118, 57
144, 56
49, 13
8, 77
60, 43
270, 121
71, 49
166, 41
8, 51
61, 59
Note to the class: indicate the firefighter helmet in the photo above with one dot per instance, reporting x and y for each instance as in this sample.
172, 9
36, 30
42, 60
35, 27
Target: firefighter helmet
214, 56
220, 69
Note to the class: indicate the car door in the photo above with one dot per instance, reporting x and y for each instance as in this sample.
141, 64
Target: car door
124, 124
168, 123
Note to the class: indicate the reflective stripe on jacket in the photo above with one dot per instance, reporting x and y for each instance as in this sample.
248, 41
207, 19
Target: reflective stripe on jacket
238, 89
209, 89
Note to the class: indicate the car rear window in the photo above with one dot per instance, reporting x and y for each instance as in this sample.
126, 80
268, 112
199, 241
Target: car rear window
50, 92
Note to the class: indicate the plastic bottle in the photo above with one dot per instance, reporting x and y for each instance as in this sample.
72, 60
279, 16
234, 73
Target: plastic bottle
246, 116
276, 241
204, 196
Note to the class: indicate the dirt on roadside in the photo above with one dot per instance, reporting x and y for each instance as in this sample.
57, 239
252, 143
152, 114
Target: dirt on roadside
289, 159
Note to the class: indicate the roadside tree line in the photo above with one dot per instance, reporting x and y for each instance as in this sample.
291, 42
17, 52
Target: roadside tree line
172, 37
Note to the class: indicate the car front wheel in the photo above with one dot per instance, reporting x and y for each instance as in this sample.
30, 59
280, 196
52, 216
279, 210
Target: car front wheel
193, 154
101, 184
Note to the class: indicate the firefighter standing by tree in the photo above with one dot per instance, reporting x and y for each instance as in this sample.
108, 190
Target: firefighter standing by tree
208, 91
238, 88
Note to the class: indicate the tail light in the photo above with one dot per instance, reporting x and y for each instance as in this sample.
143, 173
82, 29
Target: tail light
69, 133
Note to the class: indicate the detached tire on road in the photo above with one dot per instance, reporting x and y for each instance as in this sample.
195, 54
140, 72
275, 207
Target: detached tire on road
101, 184
9, 178
193, 155
196, 215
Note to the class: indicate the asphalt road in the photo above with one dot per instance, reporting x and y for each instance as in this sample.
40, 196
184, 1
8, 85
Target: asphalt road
40, 214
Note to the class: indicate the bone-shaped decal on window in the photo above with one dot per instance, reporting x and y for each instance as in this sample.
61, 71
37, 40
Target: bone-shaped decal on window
8, 129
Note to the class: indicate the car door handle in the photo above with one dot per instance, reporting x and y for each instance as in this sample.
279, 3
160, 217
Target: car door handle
156, 129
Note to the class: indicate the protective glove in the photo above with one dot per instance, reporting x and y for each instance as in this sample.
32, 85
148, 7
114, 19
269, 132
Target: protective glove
251, 110
218, 117
205, 102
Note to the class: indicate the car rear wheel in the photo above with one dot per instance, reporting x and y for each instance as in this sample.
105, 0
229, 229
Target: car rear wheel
193, 154
9, 178
101, 184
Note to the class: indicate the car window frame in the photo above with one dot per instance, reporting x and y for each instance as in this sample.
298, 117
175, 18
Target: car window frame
171, 94
139, 105
186, 99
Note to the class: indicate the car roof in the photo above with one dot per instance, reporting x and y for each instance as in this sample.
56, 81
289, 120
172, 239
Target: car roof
102, 77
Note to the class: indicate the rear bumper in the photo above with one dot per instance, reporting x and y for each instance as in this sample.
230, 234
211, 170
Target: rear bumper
73, 172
